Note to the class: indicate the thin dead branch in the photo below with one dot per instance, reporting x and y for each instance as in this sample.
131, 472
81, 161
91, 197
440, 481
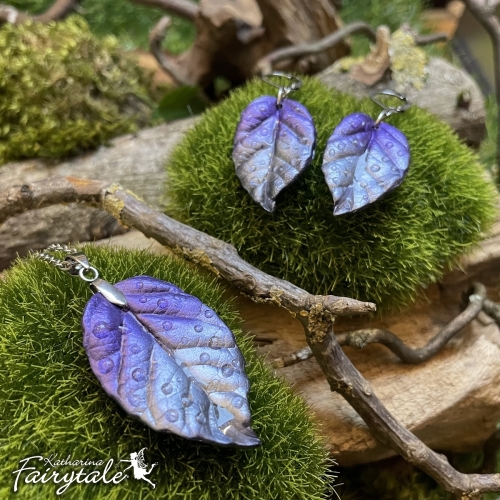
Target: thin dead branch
344, 378
422, 40
183, 8
58, 10
265, 65
165, 60
216, 255
363, 337
316, 313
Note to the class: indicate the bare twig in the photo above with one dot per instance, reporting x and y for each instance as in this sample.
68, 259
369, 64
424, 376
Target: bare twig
166, 61
492, 309
485, 12
59, 10
316, 313
362, 337
432, 38
265, 64
345, 379
219, 256
184, 8
292, 359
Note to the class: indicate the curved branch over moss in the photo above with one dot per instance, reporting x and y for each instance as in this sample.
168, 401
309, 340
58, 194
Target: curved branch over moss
216, 255
316, 313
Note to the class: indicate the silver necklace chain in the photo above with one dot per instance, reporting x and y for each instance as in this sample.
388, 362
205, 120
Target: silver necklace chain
44, 254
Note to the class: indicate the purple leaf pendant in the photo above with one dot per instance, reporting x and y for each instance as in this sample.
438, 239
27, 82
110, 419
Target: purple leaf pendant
363, 162
272, 147
170, 361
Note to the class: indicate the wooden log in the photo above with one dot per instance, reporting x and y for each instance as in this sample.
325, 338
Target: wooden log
136, 161
451, 402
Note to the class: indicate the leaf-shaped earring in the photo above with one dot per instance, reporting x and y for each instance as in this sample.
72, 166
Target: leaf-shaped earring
163, 355
274, 142
365, 159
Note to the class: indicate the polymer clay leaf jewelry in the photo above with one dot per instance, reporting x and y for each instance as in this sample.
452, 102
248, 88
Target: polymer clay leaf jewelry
274, 143
163, 355
365, 159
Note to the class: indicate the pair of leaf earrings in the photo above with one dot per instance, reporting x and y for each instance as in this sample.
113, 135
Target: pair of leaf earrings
275, 141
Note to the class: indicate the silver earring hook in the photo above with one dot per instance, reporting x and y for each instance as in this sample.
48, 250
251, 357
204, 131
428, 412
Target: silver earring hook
389, 110
283, 90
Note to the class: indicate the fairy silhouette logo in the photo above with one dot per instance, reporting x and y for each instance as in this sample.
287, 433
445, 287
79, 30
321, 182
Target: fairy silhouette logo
63, 472
140, 466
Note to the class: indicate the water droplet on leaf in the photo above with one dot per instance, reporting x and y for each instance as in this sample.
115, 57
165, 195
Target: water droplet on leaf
101, 329
105, 365
167, 389
139, 375
172, 415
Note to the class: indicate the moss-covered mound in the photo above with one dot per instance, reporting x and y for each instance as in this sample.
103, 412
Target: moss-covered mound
63, 90
51, 403
384, 253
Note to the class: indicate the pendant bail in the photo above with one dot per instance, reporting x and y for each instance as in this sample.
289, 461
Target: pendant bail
78, 261
77, 264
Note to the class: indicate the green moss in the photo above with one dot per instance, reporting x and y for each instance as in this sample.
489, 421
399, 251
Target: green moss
385, 253
64, 91
50, 402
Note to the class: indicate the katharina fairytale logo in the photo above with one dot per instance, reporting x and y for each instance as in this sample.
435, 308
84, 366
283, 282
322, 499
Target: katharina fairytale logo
67, 471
